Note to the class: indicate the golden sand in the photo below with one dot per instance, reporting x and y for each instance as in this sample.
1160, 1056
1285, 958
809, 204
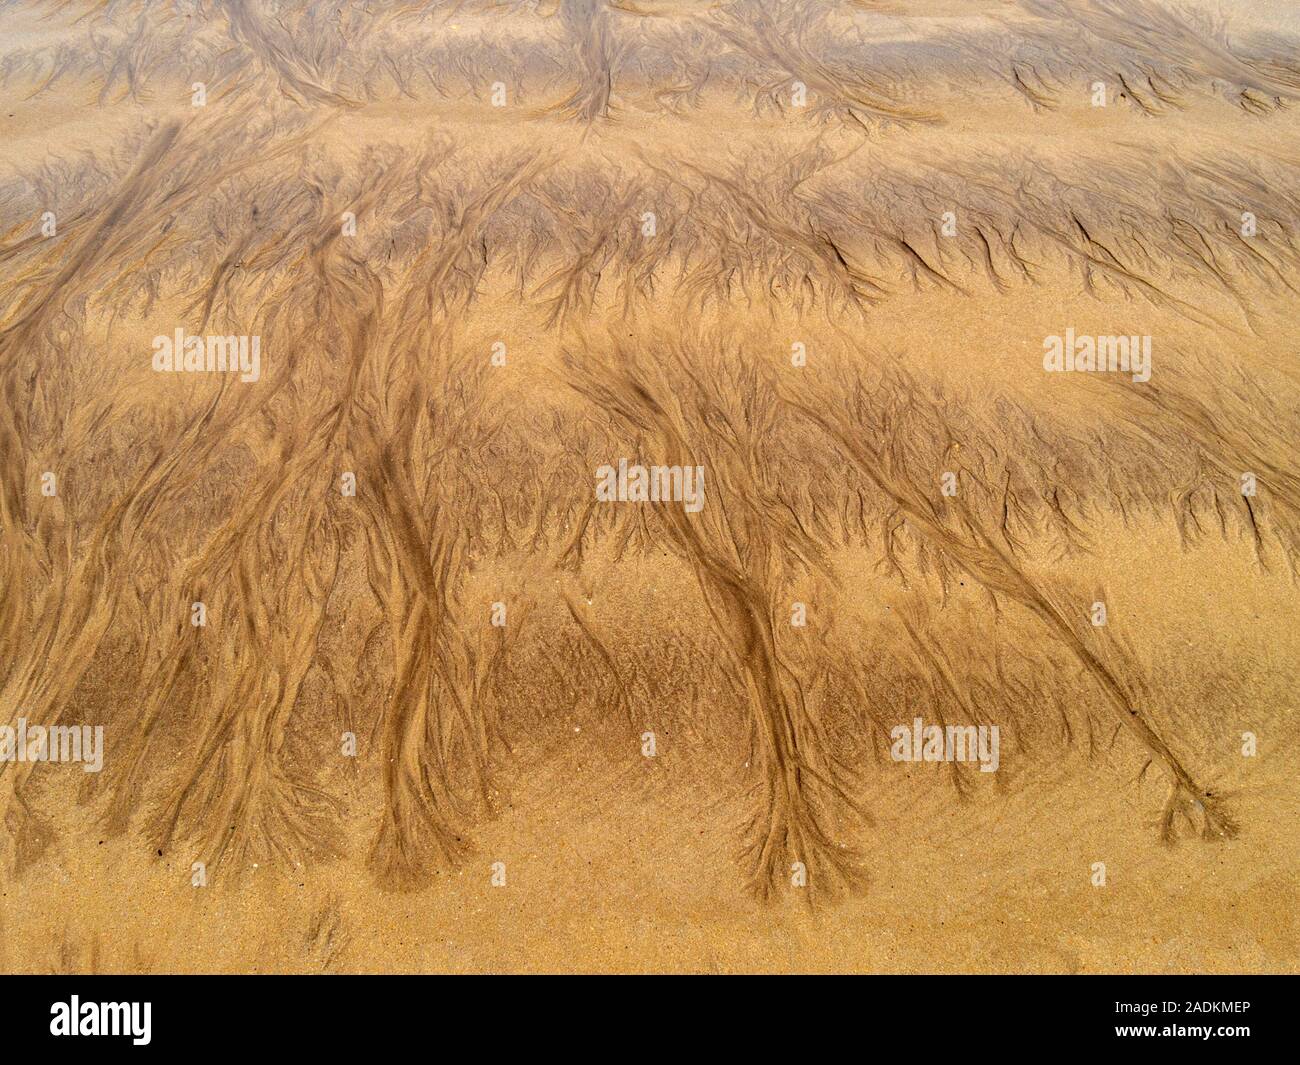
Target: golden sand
445, 708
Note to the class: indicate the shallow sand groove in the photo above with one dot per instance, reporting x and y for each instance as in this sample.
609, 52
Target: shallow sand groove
814, 250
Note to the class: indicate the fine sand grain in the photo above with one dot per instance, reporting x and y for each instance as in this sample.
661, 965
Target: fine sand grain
386, 682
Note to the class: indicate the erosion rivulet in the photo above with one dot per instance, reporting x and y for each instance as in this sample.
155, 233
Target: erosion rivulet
380, 607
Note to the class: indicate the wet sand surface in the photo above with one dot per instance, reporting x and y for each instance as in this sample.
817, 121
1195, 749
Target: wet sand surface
394, 670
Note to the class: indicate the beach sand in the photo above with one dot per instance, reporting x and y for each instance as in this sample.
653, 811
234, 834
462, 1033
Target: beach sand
388, 681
